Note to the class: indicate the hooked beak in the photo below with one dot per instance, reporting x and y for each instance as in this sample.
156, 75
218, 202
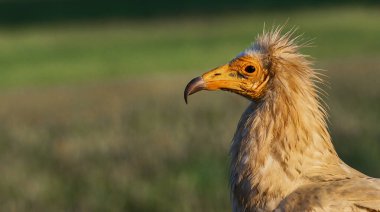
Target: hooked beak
216, 79
195, 85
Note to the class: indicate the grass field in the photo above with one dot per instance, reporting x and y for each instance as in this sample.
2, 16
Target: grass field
92, 51
92, 115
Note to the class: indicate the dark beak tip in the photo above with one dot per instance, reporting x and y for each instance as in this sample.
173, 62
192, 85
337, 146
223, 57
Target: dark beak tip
195, 85
185, 96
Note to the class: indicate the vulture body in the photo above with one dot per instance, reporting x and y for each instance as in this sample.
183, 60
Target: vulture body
282, 157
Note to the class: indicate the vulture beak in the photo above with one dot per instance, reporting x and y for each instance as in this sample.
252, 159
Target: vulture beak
195, 85
216, 79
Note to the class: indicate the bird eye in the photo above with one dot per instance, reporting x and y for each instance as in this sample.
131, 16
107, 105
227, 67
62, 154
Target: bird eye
250, 69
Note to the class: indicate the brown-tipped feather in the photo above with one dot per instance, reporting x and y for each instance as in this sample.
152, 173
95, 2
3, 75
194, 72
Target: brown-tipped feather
282, 157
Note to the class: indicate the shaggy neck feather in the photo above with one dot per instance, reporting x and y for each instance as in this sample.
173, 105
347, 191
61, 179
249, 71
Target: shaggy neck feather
283, 139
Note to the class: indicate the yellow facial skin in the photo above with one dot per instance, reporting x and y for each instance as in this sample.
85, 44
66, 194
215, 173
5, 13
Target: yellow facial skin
243, 75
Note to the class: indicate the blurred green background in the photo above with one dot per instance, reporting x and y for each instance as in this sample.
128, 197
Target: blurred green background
92, 116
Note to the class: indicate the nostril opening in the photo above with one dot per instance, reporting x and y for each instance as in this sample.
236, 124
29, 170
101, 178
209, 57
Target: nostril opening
217, 74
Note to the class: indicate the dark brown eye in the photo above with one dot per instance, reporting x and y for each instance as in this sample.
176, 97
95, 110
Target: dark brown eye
250, 69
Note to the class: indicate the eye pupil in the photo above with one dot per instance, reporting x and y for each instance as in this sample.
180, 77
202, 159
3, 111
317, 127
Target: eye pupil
250, 69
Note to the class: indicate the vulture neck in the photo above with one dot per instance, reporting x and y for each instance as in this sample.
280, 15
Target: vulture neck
281, 143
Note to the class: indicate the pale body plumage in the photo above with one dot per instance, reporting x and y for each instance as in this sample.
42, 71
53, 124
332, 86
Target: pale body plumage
282, 157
